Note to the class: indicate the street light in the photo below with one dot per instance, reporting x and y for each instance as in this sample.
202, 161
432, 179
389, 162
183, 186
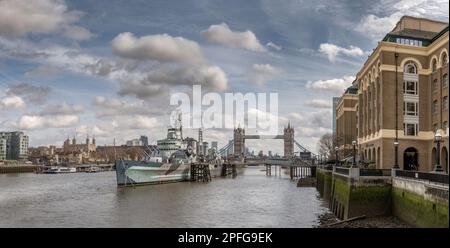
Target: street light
396, 113
354, 153
336, 150
438, 139
396, 157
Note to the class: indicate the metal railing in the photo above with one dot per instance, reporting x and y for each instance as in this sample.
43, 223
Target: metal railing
374, 172
341, 170
432, 177
325, 166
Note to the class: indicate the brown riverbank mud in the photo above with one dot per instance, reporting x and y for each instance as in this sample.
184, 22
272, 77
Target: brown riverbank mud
328, 220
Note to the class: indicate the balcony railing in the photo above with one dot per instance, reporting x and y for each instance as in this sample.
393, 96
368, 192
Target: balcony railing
432, 177
375, 172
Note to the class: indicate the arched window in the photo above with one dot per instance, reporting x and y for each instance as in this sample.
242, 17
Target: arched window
411, 68
435, 85
434, 65
444, 59
445, 81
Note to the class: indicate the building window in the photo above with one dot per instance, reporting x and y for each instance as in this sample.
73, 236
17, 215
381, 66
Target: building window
410, 42
445, 126
445, 81
435, 107
410, 129
445, 102
410, 108
410, 87
434, 65
444, 59
411, 68
435, 85
435, 127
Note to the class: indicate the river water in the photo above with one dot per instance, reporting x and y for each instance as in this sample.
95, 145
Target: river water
93, 200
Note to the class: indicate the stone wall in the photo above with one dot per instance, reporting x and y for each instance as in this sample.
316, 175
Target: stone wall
420, 203
324, 180
352, 197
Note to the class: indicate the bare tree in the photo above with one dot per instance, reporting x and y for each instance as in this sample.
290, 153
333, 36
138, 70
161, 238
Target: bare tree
326, 146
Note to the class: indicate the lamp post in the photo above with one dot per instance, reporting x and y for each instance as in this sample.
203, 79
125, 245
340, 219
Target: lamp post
354, 153
396, 114
438, 139
396, 157
336, 151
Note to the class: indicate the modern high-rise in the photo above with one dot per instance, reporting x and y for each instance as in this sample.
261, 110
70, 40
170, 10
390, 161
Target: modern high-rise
2, 149
13, 146
144, 140
403, 97
134, 142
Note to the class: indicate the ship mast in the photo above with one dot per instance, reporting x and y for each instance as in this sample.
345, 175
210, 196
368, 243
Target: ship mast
181, 126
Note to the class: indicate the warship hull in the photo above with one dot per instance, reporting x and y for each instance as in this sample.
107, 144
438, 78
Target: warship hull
132, 173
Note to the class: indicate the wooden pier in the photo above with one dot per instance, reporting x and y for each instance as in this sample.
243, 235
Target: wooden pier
277, 170
229, 169
200, 172
19, 168
297, 172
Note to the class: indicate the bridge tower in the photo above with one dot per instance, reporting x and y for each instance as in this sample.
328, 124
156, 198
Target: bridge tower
289, 141
239, 142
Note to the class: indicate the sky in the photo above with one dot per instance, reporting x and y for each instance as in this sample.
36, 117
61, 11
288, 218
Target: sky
107, 68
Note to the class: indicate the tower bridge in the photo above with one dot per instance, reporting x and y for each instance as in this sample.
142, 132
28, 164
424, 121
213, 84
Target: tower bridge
301, 164
236, 147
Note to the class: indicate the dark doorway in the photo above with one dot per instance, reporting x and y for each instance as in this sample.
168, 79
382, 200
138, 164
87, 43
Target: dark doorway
411, 159
444, 159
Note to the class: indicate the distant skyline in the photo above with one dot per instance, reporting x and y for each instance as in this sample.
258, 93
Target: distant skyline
107, 68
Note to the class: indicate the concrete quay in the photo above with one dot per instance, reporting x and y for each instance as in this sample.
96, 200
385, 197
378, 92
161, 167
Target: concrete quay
419, 199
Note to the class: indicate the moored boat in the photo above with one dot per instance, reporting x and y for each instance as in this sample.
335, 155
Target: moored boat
58, 170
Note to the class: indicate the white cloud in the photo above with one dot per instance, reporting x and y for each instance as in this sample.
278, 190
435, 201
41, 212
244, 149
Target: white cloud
318, 103
143, 122
110, 107
311, 124
336, 85
160, 47
59, 57
188, 66
28, 122
375, 26
12, 102
62, 109
332, 51
20, 17
273, 46
134, 77
222, 34
117, 127
37, 94
261, 73
157, 81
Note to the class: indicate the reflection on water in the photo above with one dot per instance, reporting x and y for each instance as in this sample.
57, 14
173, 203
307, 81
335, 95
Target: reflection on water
92, 200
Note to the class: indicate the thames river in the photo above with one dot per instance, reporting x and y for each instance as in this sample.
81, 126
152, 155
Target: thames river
92, 200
